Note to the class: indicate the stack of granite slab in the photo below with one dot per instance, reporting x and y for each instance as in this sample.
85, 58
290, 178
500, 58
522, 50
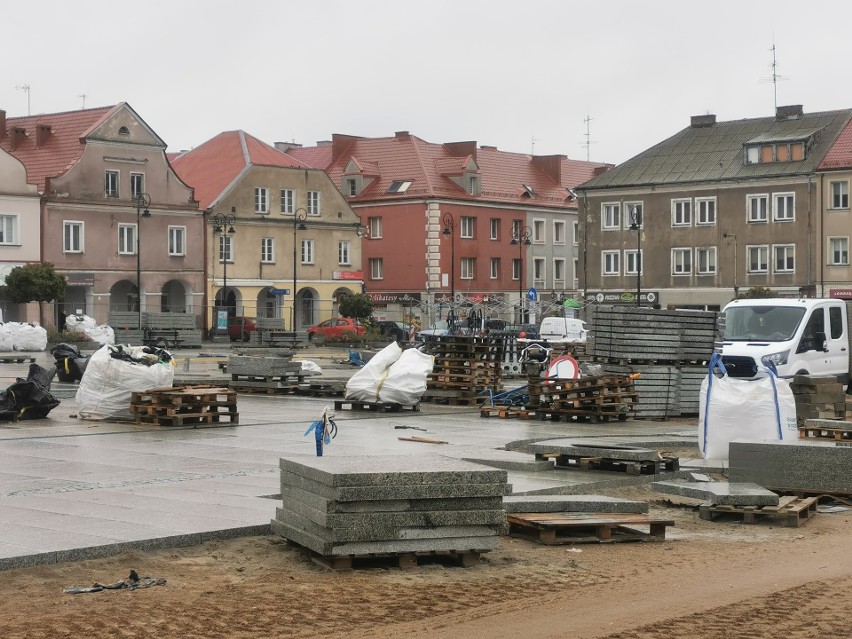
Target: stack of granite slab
368, 505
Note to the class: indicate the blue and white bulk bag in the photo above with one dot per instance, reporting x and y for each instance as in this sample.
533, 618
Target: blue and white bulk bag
731, 408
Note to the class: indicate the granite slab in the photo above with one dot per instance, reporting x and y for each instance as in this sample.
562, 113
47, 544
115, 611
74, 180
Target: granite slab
571, 503
591, 448
336, 549
719, 493
389, 505
389, 470
807, 465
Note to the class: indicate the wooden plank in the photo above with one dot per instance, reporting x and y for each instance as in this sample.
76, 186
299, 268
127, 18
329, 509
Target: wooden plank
422, 440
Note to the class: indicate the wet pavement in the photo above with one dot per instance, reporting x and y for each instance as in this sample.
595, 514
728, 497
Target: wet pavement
72, 489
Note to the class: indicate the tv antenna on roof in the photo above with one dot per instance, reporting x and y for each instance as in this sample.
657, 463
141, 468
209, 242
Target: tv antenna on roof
533, 140
588, 143
25, 87
774, 77
83, 96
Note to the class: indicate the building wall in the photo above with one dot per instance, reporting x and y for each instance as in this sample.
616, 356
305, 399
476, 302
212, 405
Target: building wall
836, 222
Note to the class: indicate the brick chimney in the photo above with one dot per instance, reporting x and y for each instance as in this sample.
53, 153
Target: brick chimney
461, 149
550, 164
19, 136
2, 124
43, 134
702, 121
789, 112
600, 170
402, 135
286, 147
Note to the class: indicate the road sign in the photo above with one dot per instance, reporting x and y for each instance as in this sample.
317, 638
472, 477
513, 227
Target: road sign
532, 294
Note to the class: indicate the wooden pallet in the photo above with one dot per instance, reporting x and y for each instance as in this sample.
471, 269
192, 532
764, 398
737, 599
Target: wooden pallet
454, 400
403, 560
379, 407
266, 388
323, 389
185, 406
505, 412
794, 511
593, 416
837, 434
12, 359
640, 467
562, 528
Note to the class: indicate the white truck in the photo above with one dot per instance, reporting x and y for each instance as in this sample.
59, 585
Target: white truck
798, 336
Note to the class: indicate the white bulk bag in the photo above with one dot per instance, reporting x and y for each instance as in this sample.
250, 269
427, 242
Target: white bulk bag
28, 337
730, 408
7, 339
364, 385
107, 383
406, 379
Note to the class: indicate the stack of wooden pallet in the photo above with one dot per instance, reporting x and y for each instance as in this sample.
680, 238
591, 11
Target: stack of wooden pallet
599, 398
185, 406
669, 349
465, 366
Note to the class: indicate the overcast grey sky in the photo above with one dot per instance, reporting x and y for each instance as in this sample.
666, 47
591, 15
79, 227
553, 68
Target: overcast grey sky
504, 73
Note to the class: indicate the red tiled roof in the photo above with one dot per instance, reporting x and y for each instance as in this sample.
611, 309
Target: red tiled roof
61, 149
429, 165
839, 156
319, 157
212, 167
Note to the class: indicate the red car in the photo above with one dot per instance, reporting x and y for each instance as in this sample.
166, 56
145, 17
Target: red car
241, 328
336, 327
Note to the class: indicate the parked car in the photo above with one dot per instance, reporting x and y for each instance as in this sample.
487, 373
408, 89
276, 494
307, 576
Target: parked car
241, 328
563, 330
524, 331
438, 328
336, 327
398, 330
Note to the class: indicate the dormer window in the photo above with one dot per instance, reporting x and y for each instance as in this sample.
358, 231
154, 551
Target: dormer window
351, 187
399, 186
474, 185
772, 148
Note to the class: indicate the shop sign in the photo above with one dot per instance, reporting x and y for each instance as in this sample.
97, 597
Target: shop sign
347, 275
394, 298
623, 297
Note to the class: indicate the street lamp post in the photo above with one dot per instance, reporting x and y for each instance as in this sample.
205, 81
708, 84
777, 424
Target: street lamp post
143, 201
299, 217
732, 236
636, 225
223, 226
521, 236
449, 231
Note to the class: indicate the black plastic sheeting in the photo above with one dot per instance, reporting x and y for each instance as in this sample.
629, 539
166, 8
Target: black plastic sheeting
29, 398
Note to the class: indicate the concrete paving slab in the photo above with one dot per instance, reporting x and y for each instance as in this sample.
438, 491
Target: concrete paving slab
719, 493
806, 465
590, 448
389, 505
571, 503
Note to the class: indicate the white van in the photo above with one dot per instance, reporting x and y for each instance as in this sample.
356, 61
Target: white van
797, 336
564, 330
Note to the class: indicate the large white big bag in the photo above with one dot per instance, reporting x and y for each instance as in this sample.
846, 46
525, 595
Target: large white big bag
107, 384
731, 408
406, 378
364, 385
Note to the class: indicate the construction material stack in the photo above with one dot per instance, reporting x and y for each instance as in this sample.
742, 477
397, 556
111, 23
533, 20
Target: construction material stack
345, 508
669, 349
818, 398
185, 406
261, 374
598, 398
466, 367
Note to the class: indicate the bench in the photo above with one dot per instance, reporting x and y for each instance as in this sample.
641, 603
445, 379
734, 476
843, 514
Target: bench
279, 338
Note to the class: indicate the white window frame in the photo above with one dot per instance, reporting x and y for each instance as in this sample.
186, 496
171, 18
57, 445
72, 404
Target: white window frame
495, 268
785, 212
539, 230
630, 261
226, 248
789, 254
375, 225
494, 228
377, 268
307, 251
79, 241
287, 201
710, 256
762, 255
758, 217
267, 250
559, 270
466, 226
705, 211
517, 267
467, 267
681, 211
539, 269
559, 232
9, 229
575, 279
351, 187
838, 251
137, 184
261, 200
682, 261
838, 193
177, 235
110, 189
127, 239
576, 230
344, 252
314, 203
610, 263
628, 209
610, 216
